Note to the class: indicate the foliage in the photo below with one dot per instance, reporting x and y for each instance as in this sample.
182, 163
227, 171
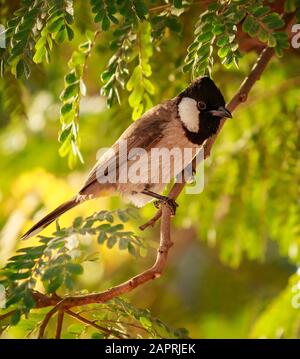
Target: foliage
218, 26
31, 31
113, 320
71, 95
233, 267
139, 84
137, 31
277, 323
57, 259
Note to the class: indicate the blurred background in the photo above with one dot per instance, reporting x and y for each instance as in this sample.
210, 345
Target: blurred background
233, 271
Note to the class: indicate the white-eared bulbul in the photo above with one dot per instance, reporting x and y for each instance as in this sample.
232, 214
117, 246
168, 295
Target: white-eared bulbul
184, 122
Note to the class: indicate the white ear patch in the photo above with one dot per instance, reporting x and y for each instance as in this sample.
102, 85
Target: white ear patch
189, 114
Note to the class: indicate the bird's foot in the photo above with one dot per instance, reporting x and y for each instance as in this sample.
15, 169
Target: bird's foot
170, 202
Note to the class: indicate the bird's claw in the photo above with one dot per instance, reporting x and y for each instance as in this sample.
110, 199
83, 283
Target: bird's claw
170, 202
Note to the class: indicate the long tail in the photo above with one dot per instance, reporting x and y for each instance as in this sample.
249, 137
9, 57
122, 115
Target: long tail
49, 218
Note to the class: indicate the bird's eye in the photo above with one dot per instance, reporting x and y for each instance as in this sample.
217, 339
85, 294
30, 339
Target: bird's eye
201, 105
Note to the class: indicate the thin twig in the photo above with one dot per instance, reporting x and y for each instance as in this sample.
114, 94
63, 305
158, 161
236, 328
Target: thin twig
93, 324
8, 314
60, 319
170, 5
47, 318
125, 324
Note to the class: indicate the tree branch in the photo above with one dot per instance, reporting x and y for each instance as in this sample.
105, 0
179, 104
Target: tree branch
7, 315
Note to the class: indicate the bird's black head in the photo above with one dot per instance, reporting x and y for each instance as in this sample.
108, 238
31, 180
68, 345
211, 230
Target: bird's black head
201, 106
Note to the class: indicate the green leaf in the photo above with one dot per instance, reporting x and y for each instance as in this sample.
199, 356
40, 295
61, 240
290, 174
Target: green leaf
218, 29
77, 222
69, 92
105, 23
61, 35
74, 268
65, 148
20, 69
15, 318
54, 284
250, 26
71, 78
66, 108
39, 55
115, 228
141, 8
271, 40
24, 264
28, 300
135, 78
70, 33
222, 41
273, 21
146, 322
204, 37
213, 6
263, 35
261, 11
282, 39
104, 226
56, 25
123, 216
102, 237
106, 75
143, 252
290, 5
69, 283
76, 328
223, 51
14, 298
97, 335
123, 243
131, 249
173, 24
137, 111
111, 241
18, 276
177, 3
51, 272
278, 51
109, 218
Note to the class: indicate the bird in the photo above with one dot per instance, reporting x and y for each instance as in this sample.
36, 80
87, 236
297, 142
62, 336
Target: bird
186, 121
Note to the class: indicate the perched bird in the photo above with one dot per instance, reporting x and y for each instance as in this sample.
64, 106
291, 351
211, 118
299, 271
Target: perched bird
184, 122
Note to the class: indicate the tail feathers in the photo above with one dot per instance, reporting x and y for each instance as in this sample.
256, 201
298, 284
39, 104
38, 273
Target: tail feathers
49, 218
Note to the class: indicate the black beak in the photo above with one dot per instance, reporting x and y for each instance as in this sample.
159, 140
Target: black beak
221, 112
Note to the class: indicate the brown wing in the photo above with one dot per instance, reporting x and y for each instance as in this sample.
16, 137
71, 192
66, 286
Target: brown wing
144, 133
